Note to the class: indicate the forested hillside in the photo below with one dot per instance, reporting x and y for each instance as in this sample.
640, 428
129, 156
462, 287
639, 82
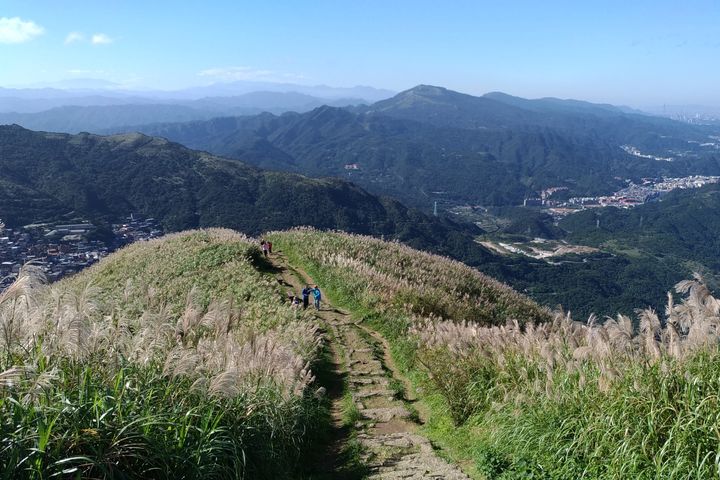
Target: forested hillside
429, 143
45, 175
105, 178
684, 225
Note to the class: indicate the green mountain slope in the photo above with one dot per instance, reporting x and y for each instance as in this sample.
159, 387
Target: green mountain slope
105, 178
684, 225
45, 175
429, 143
174, 358
626, 398
181, 357
371, 274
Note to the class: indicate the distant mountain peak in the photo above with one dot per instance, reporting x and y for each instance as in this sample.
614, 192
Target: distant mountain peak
499, 95
421, 95
426, 90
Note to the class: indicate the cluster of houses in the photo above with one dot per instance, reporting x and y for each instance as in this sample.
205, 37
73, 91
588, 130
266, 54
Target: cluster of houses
61, 249
633, 194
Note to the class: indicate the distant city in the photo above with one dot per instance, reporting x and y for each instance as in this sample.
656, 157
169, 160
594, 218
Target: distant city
61, 249
632, 195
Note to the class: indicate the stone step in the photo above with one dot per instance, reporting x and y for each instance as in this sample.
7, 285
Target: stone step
373, 393
385, 414
359, 350
420, 465
368, 372
374, 363
368, 380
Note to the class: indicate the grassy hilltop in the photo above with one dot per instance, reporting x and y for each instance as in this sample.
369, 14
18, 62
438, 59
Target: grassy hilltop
179, 358
516, 391
174, 358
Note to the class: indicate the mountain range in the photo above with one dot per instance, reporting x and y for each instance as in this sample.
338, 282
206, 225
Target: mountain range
89, 105
425, 145
431, 144
46, 175
104, 178
92, 92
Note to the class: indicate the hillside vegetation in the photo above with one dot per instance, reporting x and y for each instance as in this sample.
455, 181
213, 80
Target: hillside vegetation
174, 358
684, 225
391, 277
521, 392
429, 143
45, 175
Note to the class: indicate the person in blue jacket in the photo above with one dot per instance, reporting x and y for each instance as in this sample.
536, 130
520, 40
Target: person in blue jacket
318, 297
306, 296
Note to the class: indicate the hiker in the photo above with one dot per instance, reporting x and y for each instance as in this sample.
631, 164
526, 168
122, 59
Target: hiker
264, 246
306, 296
294, 300
296, 303
269, 245
318, 296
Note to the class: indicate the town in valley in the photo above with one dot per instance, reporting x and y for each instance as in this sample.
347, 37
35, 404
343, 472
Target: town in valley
64, 248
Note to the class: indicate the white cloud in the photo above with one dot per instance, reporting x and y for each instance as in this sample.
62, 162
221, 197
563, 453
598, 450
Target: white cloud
100, 39
229, 74
237, 73
16, 30
73, 37
86, 72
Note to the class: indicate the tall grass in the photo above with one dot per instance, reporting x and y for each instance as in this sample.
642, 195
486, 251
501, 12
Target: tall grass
526, 393
170, 359
624, 399
388, 277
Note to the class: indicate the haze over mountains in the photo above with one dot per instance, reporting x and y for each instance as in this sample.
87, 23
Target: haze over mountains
421, 146
91, 106
46, 175
429, 143
90, 92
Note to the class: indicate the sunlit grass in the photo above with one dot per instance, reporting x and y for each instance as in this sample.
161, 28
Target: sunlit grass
526, 393
174, 358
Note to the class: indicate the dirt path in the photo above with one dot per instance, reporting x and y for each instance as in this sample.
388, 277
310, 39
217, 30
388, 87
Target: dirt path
386, 428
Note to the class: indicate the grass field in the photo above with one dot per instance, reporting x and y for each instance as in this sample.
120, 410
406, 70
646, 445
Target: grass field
175, 358
516, 391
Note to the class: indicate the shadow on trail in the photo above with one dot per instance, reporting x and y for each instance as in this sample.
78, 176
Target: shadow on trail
264, 264
336, 455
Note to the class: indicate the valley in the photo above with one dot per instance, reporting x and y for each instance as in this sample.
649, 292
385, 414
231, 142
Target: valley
538, 248
183, 189
359, 240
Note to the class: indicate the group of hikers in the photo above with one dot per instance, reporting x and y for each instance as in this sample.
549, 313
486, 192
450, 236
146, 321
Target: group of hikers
295, 301
306, 292
266, 247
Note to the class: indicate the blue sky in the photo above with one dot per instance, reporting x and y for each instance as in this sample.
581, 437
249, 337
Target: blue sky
630, 52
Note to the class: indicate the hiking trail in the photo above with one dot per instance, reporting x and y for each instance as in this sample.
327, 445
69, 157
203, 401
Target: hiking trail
391, 448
